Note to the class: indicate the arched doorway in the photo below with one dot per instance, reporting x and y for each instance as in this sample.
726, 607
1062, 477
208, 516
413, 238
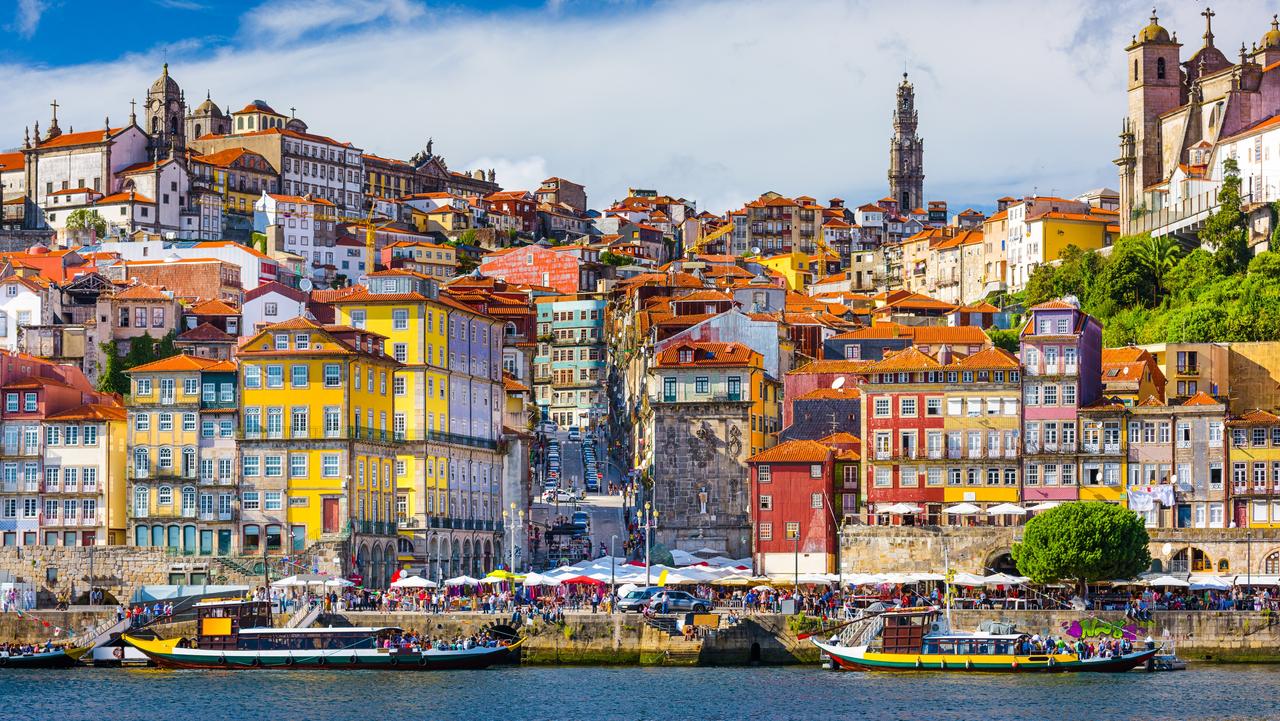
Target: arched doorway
1271, 564
466, 558
1190, 560
374, 580
433, 560
362, 562
388, 563
455, 559
488, 558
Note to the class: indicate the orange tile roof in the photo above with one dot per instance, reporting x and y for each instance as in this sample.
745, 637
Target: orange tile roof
141, 291
1054, 305
213, 307
841, 437
184, 362
990, 358
707, 354
697, 295
920, 334
1201, 399
11, 161
129, 197
86, 138
304, 200
90, 412
907, 359
793, 452
227, 157
1255, 417
511, 385
832, 366
979, 306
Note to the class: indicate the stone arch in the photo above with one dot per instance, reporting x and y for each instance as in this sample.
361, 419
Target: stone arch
467, 558
488, 557
999, 560
389, 563
375, 568
455, 558
433, 559
1271, 563
362, 562
1190, 559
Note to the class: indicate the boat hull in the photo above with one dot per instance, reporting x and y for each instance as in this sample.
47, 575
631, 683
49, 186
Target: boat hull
860, 659
166, 654
66, 658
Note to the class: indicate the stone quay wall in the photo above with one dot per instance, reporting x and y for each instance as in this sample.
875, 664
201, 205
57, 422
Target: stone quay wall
890, 549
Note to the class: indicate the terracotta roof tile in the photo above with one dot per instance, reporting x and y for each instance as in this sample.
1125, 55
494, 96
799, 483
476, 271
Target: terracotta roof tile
184, 362
827, 394
90, 412
706, 354
1201, 399
1255, 417
141, 291
793, 452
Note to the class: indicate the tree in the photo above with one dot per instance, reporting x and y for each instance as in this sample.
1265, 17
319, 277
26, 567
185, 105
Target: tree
87, 219
142, 349
614, 259
1006, 339
1227, 230
166, 346
1158, 255
1083, 542
112, 379
258, 241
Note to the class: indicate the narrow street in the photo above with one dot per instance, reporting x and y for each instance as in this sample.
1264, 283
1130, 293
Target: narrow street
605, 510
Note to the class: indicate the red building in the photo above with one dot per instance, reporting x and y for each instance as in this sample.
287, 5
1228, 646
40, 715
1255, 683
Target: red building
826, 374
896, 417
792, 518
543, 266
519, 204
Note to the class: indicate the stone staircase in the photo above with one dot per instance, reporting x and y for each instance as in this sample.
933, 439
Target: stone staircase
674, 647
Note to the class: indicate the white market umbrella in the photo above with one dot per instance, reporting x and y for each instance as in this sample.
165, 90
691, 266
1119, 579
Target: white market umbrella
538, 579
968, 579
918, 577
1044, 505
962, 509
1210, 583
338, 583
901, 509
413, 582
462, 581
1007, 509
1004, 579
862, 579
1167, 581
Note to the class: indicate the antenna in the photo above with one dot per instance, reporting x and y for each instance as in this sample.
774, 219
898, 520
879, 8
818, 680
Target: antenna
838, 383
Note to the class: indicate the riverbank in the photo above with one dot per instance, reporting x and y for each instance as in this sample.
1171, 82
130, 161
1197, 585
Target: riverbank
766, 639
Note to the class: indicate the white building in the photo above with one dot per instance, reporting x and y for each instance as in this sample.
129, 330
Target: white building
256, 268
20, 305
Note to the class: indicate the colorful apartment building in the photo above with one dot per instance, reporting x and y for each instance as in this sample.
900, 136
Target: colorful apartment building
84, 490
182, 455
1255, 469
317, 443
1061, 352
559, 268
942, 434
793, 509
570, 365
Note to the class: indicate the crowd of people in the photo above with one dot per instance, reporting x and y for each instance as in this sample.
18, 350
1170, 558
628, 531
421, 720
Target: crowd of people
410, 641
25, 649
144, 613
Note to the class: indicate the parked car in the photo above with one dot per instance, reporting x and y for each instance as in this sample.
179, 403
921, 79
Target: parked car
680, 602
637, 599
581, 519
574, 433
559, 495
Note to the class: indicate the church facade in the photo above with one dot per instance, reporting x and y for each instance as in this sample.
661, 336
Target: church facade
906, 152
1186, 118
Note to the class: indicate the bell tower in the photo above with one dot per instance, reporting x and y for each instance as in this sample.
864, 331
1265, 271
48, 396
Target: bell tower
906, 152
1155, 86
166, 111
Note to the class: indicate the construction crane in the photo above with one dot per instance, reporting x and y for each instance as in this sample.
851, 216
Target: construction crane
371, 226
706, 240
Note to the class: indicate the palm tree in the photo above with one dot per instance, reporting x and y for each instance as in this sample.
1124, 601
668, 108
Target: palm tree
1158, 255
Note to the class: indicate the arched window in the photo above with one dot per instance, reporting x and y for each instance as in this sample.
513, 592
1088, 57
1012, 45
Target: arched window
1223, 565
173, 124
164, 496
198, 133
155, 126
141, 463
141, 499
188, 463
1271, 564
166, 457
1135, 69
1160, 68
188, 500
141, 536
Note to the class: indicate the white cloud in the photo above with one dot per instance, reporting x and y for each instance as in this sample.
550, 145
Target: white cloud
28, 16
287, 20
716, 100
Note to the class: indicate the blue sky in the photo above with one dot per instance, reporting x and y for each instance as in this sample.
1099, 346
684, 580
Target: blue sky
714, 100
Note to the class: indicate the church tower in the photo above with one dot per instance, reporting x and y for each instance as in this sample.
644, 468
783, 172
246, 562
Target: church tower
166, 111
1155, 86
906, 152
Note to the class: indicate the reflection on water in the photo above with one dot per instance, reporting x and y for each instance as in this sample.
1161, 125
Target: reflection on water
628, 694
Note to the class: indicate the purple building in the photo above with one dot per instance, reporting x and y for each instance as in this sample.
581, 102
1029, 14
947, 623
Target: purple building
1061, 354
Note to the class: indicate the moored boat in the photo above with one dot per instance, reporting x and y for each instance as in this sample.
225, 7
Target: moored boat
58, 658
919, 639
222, 643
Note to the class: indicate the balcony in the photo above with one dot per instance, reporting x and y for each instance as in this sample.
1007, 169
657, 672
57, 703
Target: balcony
955, 453
1187, 370
22, 450
214, 403
456, 439
578, 383
1011, 453
376, 528
883, 455
935, 453
975, 453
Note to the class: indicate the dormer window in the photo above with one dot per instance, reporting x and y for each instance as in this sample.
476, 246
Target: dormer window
686, 355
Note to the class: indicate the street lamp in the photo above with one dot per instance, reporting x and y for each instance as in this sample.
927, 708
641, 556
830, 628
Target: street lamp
613, 592
511, 526
647, 519
1248, 567
793, 533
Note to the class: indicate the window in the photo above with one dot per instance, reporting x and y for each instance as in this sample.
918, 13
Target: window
766, 531
275, 376
332, 375
701, 385
907, 407
164, 496
933, 406
329, 465
273, 501
766, 503
815, 470
882, 409
883, 477
816, 501
793, 530
299, 375
252, 376
763, 474
273, 466
400, 319
249, 500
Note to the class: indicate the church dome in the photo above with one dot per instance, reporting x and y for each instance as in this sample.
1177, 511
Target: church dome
1272, 39
165, 85
210, 108
1153, 33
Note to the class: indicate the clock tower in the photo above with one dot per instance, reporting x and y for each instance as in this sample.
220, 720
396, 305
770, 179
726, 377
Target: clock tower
906, 152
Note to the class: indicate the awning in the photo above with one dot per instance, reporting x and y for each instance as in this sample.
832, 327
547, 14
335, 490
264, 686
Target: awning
462, 581
968, 579
962, 509
1044, 505
899, 508
413, 582
1167, 581
1007, 509
1004, 579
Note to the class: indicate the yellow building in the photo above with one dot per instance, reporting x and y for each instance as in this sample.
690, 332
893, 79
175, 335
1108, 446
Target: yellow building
175, 498
416, 329
318, 446
1255, 468
85, 489
1104, 470
799, 268
981, 426
239, 175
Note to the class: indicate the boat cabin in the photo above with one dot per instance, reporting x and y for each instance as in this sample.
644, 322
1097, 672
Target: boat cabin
904, 631
314, 639
220, 622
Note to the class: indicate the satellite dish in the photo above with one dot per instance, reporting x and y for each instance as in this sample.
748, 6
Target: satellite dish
305, 285
362, 280
755, 250
838, 383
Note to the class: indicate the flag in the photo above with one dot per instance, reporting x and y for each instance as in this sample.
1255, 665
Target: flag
662, 578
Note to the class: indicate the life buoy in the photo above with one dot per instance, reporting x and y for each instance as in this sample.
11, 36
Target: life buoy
290, 661
919, 663
322, 660
968, 664
1052, 662
354, 659
422, 661
118, 652
222, 659
1015, 664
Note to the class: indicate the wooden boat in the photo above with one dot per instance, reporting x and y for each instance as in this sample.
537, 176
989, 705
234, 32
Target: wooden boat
60, 658
223, 643
919, 639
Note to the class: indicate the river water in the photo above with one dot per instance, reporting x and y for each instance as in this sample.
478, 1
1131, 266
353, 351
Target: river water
632, 694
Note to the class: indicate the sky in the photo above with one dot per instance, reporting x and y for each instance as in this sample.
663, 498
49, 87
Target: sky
716, 101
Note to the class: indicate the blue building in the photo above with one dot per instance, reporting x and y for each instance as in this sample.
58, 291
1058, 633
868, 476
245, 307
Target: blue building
569, 367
